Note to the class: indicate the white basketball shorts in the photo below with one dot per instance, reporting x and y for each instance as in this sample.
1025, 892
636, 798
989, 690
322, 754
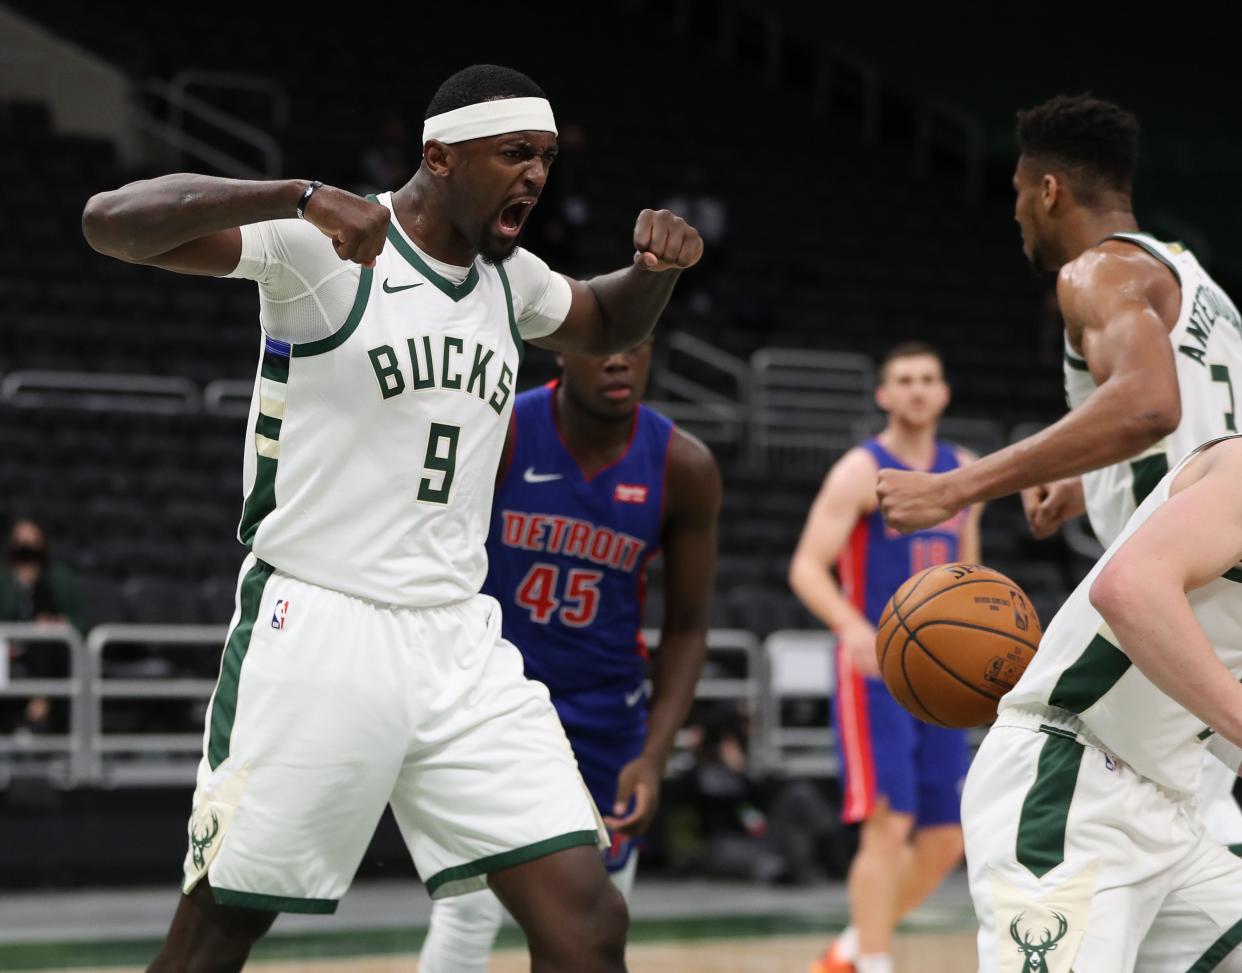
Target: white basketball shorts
328, 707
1078, 863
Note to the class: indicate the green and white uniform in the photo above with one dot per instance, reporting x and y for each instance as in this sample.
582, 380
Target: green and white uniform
363, 666
1207, 346
1083, 829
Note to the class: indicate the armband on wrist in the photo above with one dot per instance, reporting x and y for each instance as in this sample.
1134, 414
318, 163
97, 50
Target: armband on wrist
310, 191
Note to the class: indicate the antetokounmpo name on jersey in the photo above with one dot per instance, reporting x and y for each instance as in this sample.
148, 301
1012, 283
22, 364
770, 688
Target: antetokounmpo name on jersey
1210, 308
572, 537
461, 364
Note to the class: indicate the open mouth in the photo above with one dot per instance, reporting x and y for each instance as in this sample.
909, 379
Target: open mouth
514, 215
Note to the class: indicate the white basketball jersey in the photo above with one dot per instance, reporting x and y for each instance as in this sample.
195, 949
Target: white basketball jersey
372, 454
1080, 672
1207, 346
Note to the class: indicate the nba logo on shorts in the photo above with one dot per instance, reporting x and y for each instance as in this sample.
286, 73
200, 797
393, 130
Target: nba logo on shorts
278, 616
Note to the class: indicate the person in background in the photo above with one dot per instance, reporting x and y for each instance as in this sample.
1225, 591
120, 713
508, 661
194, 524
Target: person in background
34, 588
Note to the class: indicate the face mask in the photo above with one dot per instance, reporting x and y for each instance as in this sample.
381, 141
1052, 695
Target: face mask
27, 554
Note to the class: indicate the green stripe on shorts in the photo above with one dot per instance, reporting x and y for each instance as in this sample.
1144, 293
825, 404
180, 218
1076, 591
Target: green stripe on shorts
1219, 950
1041, 826
224, 700
507, 859
273, 903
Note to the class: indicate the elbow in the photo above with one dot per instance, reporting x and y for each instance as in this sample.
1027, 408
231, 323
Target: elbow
1154, 422
1113, 593
100, 227
96, 221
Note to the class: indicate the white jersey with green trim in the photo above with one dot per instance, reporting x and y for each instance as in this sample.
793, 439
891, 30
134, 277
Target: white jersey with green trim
1080, 679
1207, 346
372, 452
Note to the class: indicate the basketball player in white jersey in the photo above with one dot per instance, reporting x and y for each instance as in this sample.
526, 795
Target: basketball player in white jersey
363, 666
1084, 838
1153, 348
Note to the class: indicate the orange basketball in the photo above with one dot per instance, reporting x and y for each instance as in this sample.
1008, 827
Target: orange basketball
953, 640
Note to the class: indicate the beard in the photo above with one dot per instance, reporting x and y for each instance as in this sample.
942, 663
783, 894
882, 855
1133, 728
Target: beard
496, 250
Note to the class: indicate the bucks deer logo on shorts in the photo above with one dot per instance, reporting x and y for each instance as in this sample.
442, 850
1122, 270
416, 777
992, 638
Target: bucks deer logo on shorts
201, 842
1037, 951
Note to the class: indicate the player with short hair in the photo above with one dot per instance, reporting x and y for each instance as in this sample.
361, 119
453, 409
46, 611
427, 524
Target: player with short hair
593, 486
1084, 836
363, 667
901, 777
1153, 347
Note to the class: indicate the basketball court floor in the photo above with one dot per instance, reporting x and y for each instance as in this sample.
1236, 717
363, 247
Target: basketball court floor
678, 927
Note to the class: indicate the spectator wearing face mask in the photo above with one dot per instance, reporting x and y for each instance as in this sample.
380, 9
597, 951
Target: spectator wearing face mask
36, 589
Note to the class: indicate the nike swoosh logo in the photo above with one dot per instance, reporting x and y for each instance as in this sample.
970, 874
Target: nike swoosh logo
530, 476
631, 699
403, 287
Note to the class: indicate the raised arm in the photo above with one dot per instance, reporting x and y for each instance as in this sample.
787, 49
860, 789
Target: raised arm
1191, 540
693, 507
190, 223
847, 494
616, 311
1136, 404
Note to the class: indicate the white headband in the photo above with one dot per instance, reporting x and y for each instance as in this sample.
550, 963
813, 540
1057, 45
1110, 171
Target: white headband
489, 118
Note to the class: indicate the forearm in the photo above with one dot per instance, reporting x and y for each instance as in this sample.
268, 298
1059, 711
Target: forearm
1104, 430
679, 663
630, 302
821, 596
152, 216
1157, 629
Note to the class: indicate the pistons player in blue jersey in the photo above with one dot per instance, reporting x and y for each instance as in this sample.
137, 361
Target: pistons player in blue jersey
591, 488
901, 778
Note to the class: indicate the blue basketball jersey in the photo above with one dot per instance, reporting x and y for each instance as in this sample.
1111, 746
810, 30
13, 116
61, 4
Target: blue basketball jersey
567, 560
877, 560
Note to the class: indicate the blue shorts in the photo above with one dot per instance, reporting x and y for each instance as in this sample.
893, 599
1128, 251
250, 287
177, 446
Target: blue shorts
886, 752
601, 755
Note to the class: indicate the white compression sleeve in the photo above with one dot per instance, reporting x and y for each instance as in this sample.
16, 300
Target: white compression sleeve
305, 289
463, 929
541, 298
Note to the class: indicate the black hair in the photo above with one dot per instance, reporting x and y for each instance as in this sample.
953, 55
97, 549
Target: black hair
481, 82
1095, 140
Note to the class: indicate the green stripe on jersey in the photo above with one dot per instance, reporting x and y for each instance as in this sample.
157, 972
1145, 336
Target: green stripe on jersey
1075, 362
224, 699
1041, 825
1233, 574
1217, 952
1147, 472
443, 284
513, 328
1091, 675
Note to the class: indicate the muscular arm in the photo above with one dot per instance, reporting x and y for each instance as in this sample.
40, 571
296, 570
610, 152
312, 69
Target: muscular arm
970, 546
693, 507
616, 311
190, 224
1136, 402
848, 493
1191, 540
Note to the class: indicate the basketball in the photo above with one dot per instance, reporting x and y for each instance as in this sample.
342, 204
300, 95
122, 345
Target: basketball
953, 640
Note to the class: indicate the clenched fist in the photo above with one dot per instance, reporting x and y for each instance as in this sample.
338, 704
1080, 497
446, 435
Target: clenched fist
664, 241
357, 227
912, 501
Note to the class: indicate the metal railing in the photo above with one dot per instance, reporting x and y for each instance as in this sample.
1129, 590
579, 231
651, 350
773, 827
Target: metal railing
179, 105
118, 759
63, 757
804, 405
87, 755
99, 392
